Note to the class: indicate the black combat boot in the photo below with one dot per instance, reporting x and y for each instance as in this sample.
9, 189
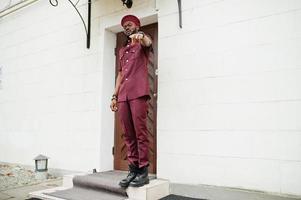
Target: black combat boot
133, 171
141, 178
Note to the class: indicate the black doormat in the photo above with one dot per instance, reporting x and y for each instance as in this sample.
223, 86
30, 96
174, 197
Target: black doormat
177, 197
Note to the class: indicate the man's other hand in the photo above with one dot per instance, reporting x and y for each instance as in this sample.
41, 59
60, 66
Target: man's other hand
113, 105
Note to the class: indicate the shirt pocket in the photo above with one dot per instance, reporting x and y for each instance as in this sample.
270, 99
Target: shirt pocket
134, 51
133, 54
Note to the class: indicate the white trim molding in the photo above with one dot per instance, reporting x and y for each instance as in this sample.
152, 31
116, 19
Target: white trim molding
16, 7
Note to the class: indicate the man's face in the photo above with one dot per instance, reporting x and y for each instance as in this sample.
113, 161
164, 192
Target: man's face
130, 28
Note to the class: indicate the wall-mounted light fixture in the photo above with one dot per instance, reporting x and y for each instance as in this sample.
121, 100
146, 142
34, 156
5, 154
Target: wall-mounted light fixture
128, 3
41, 163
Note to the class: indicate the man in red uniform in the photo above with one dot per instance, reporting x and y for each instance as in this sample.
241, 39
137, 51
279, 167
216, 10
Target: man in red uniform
130, 99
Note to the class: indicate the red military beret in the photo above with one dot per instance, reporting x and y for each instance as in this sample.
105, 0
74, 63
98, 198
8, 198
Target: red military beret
131, 18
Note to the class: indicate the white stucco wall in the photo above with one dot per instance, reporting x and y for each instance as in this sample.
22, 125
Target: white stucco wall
229, 105
50, 90
55, 93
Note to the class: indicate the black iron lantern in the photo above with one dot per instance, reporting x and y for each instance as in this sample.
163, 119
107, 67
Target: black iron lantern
128, 3
41, 163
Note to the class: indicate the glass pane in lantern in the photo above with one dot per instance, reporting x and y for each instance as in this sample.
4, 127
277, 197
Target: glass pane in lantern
41, 164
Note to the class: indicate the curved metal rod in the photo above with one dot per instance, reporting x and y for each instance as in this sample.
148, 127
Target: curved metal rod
81, 17
74, 6
57, 3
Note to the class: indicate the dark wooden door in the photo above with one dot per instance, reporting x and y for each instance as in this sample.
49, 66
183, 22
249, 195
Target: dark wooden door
120, 150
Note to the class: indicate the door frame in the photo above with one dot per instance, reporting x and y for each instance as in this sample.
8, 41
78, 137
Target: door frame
119, 162
109, 27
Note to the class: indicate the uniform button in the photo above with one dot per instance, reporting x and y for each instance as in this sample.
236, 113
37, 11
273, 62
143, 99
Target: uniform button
126, 79
126, 52
127, 61
126, 69
128, 45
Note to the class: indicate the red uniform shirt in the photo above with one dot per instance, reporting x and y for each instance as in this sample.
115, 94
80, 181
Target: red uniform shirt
133, 60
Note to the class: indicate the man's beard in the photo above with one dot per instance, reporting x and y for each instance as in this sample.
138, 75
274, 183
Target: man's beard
128, 34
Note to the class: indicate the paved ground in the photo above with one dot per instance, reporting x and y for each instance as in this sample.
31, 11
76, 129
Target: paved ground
16, 182
26, 184
210, 193
15, 176
224, 193
21, 193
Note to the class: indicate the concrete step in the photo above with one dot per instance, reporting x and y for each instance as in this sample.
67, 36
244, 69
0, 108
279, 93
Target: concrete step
156, 189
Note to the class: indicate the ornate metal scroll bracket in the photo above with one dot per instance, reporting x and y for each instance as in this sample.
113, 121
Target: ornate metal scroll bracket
87, 29
180, 13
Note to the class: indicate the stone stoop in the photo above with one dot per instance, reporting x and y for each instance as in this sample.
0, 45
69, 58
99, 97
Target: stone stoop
156, 189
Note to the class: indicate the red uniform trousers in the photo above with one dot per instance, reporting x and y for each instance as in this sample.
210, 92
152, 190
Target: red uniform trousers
133, 117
